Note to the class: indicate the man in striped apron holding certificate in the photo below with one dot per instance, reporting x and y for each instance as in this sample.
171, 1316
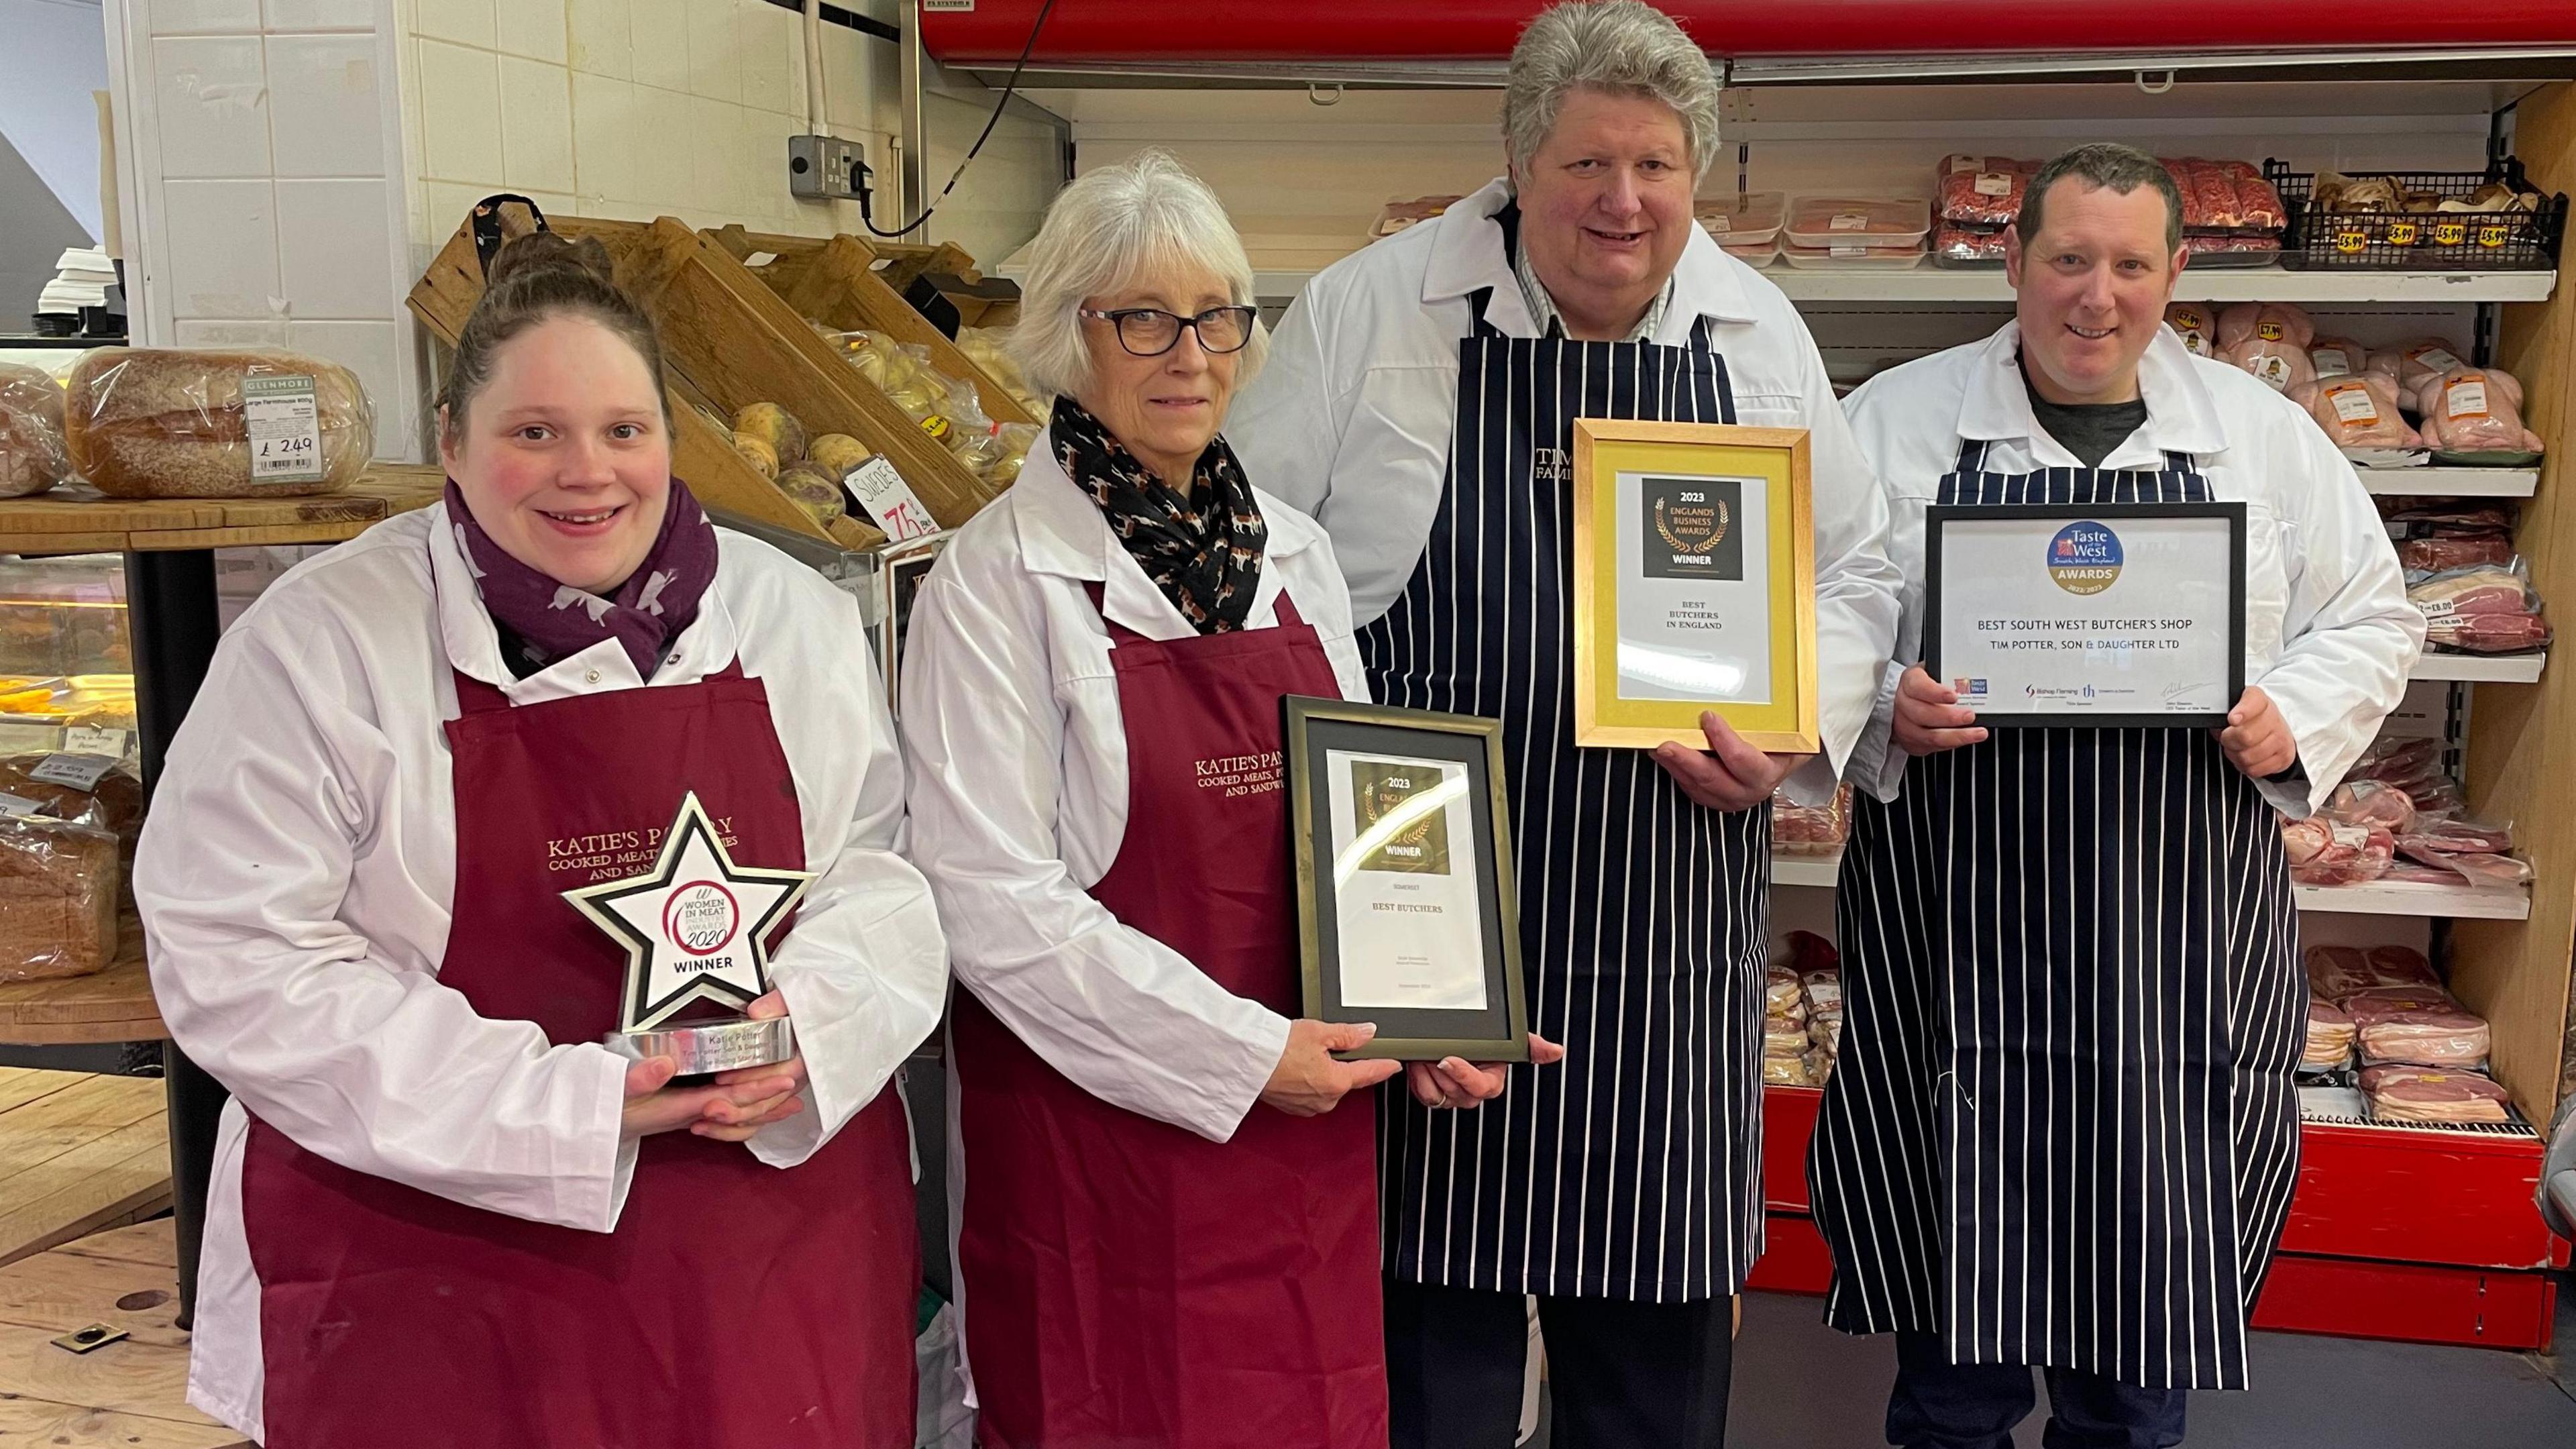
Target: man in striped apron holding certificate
2061, 1131
1420, 399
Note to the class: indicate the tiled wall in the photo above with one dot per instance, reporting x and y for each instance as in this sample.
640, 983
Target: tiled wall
631, 109
262, 184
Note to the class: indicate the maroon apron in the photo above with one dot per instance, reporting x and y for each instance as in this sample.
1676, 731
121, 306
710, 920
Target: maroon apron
735, 1304
1127, 1282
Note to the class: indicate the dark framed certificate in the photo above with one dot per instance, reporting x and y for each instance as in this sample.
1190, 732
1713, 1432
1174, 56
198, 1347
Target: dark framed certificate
2106, 614
1405, 911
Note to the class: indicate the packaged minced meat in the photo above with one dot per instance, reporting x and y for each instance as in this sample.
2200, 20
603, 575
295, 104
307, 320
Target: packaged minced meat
2419, 1094
1869, 221
1985, 197
1954, 245
1744, 219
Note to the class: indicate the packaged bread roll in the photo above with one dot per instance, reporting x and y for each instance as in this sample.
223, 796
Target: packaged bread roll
32, 458
155, 423
57, 899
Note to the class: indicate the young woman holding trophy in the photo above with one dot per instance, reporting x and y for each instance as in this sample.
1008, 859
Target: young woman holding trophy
549, 763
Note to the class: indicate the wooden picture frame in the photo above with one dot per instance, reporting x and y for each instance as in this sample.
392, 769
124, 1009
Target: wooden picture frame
1650, 497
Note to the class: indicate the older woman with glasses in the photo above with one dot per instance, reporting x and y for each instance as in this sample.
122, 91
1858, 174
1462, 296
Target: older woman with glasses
1166, 1233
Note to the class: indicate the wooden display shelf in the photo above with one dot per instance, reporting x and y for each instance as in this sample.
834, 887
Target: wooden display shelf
835, 281
111, 1005
132, 1394
79, 520
78, 1152
700, 455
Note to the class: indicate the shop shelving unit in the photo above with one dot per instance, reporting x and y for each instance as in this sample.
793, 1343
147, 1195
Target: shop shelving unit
1397, 101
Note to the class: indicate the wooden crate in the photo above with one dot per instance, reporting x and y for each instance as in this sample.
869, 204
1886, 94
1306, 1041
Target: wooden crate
836, 281
700, 454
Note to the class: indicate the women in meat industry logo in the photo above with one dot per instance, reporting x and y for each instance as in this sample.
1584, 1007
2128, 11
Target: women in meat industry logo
2084, 558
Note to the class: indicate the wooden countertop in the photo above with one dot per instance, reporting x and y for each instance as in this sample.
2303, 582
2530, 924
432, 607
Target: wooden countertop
79, 520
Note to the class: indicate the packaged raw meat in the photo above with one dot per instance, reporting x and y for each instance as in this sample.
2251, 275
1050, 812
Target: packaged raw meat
2357, 412
2209, 196
1870, 221
2270, 321
2281, 363
1853, 258
2433, 798
2248, 247
1747, 218
2258, 201
2484, 872
2425, 1028
1787, 1071
1824, 992
1810, 829
1784, 1036
2371, 802
1781, 993
2481, 610
1761, 254
2397, 758
2411, 363
2330, 1035
2336, 973
2458, 837
1984, 197
2419, 874
2419, 1094
2335, 356
2196, 325
2323, 852
1954, 245
2474, 410
2435, 554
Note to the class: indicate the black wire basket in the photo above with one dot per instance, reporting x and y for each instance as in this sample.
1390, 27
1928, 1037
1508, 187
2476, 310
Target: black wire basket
2475, 241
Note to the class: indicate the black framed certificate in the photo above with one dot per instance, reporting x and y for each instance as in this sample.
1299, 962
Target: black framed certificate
2102, 614
1405, 910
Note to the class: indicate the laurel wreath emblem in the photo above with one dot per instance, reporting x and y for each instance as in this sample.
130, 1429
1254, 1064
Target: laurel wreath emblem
1664, 528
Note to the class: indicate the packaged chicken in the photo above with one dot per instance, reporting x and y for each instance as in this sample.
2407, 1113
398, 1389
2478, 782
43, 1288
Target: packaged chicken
1810, 829
1747, 218
2358, 412
2280, 363
2413, 363
2196, 325
2335, 356
2270, 321
2330, 1037
1869, 221
1990, 195
2421, 1094
2476, 410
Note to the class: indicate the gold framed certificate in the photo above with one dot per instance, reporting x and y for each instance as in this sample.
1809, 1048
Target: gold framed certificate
1405, 916
1694, 584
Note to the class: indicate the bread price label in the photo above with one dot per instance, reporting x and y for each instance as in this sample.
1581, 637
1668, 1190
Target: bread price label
80, 772
91, 740
889, 500
20, 805
284, 428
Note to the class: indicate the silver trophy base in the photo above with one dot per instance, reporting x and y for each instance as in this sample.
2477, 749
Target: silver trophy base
710, 1046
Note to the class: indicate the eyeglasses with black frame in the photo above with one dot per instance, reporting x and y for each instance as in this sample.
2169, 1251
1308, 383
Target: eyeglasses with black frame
1151, 331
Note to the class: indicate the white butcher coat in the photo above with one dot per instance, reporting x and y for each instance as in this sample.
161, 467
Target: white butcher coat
297, 873
2329, 634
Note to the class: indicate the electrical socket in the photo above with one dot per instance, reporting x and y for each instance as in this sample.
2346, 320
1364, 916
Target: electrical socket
826, 168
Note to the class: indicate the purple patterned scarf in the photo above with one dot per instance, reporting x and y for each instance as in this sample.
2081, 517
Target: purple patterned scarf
554, 620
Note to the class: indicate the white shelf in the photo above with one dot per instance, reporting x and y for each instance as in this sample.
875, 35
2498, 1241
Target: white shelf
2380, 898
2482, 668
2452, 482
1928, 283
2417, 898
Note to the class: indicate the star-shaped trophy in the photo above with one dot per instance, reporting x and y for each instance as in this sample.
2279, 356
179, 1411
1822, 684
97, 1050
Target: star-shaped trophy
695, 927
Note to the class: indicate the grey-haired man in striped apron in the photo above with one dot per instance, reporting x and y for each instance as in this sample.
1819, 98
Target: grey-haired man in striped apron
1420, 399
2062, 1131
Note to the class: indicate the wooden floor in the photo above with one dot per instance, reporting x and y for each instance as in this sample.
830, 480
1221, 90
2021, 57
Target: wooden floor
78, 1152
131, 1394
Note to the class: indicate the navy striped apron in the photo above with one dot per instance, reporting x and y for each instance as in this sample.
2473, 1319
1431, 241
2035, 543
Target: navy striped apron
2062, 1128
1632, 1171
